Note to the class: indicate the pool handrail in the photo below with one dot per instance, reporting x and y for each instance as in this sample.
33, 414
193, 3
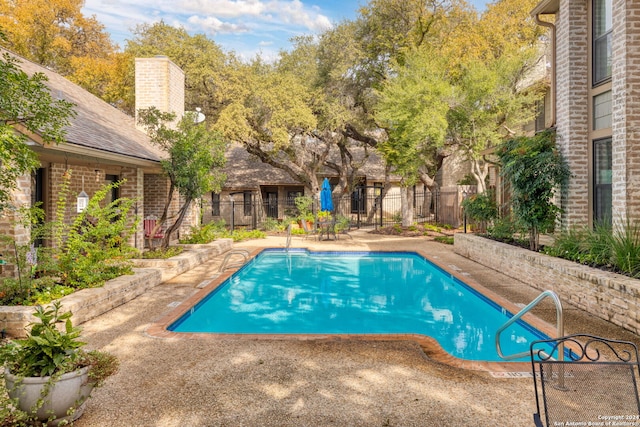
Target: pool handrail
559, 325
288, 237
243, 252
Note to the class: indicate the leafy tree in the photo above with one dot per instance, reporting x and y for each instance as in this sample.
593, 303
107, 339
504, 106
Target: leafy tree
413, 108
494, 60
196, 156
26, 107
53, 33
535, 170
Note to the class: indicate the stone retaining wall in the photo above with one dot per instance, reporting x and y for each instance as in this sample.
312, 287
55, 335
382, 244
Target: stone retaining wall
610, 296
89, 303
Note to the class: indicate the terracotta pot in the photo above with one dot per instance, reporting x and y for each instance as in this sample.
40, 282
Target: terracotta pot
69, 391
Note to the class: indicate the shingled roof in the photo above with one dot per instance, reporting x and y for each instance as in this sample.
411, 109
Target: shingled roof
97, 125
246, 171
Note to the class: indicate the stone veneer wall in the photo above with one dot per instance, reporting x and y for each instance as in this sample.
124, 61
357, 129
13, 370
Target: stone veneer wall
89, 303
610, 296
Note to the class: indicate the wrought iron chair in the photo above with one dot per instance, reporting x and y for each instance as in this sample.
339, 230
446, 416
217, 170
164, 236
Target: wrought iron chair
309, 231
594, 382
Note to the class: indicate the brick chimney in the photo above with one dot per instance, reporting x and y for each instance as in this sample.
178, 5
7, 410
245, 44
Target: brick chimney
159, 83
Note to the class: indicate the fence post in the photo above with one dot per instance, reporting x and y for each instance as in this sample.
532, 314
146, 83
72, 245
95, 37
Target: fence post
233, 212
254, 213
380, 203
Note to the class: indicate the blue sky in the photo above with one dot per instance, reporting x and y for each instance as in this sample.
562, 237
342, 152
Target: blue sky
247, 27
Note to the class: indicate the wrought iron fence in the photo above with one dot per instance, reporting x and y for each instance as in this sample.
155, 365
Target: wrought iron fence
365, 208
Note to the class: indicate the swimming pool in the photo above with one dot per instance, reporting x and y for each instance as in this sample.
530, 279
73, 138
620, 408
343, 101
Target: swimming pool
303, 292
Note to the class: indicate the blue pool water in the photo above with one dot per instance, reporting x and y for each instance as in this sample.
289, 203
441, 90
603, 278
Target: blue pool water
301, 292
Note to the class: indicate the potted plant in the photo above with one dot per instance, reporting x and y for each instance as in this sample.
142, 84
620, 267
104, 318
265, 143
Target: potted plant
324, 216
304, 205
48, 373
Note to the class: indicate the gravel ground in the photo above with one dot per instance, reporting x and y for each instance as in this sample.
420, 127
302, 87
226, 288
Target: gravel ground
240, 382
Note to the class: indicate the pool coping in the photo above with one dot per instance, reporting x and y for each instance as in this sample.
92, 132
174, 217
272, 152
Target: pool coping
429, 345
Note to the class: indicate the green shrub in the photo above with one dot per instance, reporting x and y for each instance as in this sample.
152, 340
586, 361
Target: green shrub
444, 239
569, 244
96, 248
480, 209
343, 223
205, 233
504, 229
160, 253
625, 249
272, 224
534, 169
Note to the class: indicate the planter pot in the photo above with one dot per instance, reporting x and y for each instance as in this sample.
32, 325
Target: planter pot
66, 393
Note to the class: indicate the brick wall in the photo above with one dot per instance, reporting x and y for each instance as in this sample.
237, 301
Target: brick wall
159, 83
610, 296
626, 109
572, 124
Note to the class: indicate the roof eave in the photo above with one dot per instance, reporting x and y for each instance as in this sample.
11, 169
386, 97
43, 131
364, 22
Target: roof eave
546, 7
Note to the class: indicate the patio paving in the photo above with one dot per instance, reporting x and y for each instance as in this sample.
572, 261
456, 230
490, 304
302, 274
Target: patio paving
240, 382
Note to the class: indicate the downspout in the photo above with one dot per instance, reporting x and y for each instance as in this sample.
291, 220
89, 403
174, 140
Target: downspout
552, 85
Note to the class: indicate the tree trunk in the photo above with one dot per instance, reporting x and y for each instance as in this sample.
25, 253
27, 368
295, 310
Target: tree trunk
176, 225
406, 205
480, 172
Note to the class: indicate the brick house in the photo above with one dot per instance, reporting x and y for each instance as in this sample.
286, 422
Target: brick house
102, 145
260, 191
596, 105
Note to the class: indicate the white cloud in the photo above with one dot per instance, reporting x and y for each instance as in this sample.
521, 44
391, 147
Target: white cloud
222, 8
213, 25
250, 26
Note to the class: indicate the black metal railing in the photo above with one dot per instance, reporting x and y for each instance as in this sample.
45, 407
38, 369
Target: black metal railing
365, 208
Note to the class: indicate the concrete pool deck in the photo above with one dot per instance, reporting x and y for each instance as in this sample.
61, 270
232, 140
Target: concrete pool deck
171, 381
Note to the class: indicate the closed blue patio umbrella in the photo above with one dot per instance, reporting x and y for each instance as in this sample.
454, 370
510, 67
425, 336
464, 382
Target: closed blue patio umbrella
326, 200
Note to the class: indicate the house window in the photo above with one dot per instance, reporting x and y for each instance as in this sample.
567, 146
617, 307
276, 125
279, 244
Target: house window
602, 199
115, 191
602, 29
215, 204
247, 203
602, 111
291, 197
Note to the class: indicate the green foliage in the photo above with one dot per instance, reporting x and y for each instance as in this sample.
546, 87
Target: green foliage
304, 204
535, 169
25, 102
616, 248
413, 106
51, 351
10, 415
448, 240
272, 224
625, 248
96, 248
343, 223
163, 253
102, 365
481, 208
88, 252
47, 350
196, 158
504, 229
205, 233
217, 230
